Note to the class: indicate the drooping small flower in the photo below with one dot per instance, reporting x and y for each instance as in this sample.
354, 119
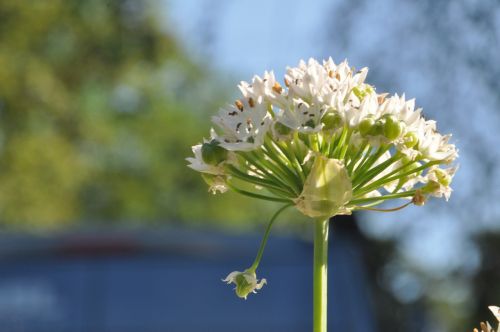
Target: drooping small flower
246, 282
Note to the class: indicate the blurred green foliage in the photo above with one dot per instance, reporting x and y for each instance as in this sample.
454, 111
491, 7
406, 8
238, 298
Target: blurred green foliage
99, 106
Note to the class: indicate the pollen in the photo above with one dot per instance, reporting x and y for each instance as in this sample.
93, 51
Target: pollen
239, 104
277, 88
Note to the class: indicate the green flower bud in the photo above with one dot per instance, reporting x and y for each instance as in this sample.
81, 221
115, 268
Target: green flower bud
377, 128
366, 125
281, 129
327, 189
212, 153
411, 140
331, 120
392, 127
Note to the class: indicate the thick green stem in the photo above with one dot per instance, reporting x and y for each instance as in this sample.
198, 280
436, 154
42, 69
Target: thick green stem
320, 275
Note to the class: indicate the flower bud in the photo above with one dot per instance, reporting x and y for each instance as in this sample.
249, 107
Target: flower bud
212, 153
366, 125
246, 282
327, 189
377, 128
392, 127
411, 139
331, 120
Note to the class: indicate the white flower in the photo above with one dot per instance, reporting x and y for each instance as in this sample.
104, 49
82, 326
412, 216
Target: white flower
434, 146
438, 181
496, 311
246, 282
309, 81
244, 125
356, 111
301, 116
265, 87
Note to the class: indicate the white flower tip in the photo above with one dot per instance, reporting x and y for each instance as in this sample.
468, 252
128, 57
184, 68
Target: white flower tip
496, 311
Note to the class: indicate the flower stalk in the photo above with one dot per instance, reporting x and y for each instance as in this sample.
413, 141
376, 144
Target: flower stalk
320, 275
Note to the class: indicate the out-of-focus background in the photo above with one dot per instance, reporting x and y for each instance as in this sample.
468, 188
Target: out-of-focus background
104, 228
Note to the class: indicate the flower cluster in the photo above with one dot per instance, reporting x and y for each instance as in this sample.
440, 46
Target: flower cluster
486, 327
325, 141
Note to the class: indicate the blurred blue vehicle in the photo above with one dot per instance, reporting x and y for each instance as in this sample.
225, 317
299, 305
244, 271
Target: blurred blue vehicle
170, 280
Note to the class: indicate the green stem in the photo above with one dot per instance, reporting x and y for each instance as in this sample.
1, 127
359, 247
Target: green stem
320, 273
391, 177
258, 196
382, 198
264, 239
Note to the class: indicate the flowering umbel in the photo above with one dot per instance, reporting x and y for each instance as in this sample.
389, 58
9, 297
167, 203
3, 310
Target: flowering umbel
325, 142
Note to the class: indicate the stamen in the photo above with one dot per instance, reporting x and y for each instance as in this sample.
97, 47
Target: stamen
239, 104
251, 102
277, 88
